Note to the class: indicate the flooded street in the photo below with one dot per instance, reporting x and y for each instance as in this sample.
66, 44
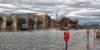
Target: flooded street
40, 39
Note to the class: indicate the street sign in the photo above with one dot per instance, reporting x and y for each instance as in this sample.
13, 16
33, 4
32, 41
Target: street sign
87, 31
66, 35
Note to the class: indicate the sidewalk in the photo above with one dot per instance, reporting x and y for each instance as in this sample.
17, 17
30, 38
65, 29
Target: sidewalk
94, 44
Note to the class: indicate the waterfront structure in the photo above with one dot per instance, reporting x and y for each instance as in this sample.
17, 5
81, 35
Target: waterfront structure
66, 22
55, 23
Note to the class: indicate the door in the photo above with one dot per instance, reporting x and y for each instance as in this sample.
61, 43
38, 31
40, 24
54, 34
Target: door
65, 24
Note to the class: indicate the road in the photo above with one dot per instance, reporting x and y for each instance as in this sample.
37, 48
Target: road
40, 39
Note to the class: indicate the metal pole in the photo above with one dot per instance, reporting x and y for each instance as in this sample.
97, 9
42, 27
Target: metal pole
88, 41
66, 45
94, 35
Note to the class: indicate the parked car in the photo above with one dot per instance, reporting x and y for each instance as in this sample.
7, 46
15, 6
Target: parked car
24, 27
64, 28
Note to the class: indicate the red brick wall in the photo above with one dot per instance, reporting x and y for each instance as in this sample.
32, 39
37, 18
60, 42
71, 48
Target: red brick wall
62, 23
47, 19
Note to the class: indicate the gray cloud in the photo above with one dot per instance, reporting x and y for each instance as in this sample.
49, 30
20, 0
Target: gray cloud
62, 7
83, 5
92, 14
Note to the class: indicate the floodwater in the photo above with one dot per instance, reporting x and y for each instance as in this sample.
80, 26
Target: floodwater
40, 39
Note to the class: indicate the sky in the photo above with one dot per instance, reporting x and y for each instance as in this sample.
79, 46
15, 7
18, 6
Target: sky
86, 11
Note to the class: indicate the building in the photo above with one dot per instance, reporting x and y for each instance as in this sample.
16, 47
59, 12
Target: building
55, 23
52, 23
40, 18
17, 19
35, 20
66, 22
45, 19
30, 16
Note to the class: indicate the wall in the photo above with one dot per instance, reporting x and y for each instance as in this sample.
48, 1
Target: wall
35, 25
14, 21
3, 23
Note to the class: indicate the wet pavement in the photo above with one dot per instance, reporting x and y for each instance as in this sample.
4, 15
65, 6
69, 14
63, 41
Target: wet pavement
92, 44
40, 39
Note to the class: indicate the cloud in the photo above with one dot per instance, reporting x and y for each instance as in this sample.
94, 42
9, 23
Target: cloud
83, 10
8, 5
90, 13
82, 0
24, 11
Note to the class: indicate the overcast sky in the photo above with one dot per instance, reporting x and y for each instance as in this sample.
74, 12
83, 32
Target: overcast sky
86, 11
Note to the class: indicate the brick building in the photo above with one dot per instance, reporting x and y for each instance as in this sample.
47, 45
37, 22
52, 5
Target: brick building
40, 18
47, 21
66, 22
55, 23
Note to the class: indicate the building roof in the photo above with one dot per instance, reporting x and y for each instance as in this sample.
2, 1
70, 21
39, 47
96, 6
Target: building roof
41, 18
56, 20
25, 14
38, 14
9, 18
